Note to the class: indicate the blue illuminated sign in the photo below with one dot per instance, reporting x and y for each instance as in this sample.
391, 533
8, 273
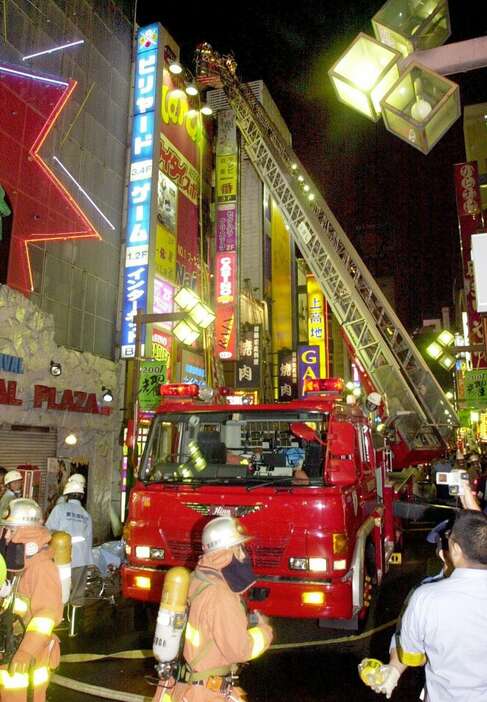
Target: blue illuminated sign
144, 140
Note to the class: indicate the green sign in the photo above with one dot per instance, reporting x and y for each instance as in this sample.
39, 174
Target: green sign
153, 374
475, 382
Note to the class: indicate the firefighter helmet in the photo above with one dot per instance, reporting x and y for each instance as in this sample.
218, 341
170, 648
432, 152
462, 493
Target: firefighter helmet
77, 478
12, 476
73, 487
22, 512
223, 532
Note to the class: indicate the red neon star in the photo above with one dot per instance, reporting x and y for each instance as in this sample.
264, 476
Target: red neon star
43, 210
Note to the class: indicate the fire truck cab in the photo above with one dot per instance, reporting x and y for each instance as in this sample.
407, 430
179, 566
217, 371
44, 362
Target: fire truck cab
301, 476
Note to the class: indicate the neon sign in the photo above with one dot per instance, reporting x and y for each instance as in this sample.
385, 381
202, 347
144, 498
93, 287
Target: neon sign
141, 185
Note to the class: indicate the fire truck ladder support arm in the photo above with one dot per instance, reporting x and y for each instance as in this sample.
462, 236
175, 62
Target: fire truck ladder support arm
377, 336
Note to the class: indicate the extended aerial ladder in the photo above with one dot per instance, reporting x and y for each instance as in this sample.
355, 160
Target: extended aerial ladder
417, 406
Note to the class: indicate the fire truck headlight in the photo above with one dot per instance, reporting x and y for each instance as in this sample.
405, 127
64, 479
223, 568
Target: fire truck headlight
313, 598
142, 582
298, 563
142, 551
317, 565
340, 565
157, 554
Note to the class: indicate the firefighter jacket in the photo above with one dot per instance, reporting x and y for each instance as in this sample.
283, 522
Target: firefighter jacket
71, 517
38, 602
217, 632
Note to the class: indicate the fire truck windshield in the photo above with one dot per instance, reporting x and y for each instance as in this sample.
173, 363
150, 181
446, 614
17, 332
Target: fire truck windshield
247, 448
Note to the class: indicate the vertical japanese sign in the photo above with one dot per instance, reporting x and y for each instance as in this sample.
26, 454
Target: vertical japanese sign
470, 221
317, 328
248, 365
287, 376
226, 260
142, 188
308, 365
226, 301
152, 376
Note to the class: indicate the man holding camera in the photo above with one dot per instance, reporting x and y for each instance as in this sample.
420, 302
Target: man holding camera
444, 626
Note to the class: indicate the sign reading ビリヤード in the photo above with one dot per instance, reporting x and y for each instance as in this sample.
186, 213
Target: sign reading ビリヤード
142, 182
475, 383
153, 374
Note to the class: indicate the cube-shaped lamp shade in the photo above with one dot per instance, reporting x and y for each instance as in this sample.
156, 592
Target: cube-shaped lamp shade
409, 25
186, 298
447, 361
421, 107
446, 338
202, 315
364, 73
186, 332
434, 350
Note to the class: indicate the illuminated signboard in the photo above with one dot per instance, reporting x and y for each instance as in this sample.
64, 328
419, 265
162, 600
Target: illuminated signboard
226, 305
248, 365
308, 365
163, 300
141, 189
287, 375
317, 321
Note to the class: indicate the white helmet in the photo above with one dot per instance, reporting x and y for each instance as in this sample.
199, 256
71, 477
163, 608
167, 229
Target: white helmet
74, 487
77, 478
222, 533
22, 512
12, 476
373, 401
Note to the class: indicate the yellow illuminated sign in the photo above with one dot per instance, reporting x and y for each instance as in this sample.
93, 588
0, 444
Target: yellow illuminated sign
317, 321
165, 254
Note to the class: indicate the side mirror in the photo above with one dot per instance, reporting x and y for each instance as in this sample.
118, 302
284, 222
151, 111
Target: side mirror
303, 431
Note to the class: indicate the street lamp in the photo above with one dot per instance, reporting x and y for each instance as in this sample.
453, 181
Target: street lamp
364, 73
420, 105
438, 350
409, 26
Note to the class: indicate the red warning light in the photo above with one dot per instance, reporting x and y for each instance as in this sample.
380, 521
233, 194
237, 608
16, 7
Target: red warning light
179, 390
335, 385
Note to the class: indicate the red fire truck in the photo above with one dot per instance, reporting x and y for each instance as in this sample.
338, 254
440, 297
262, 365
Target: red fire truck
303, 478
323, 534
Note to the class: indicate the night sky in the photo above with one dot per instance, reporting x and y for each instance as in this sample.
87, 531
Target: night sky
396, 205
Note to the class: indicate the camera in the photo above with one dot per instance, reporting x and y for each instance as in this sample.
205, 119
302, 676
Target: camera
454, 481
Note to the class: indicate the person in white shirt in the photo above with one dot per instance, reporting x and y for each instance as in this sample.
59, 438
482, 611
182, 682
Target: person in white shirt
73, 518
444, 626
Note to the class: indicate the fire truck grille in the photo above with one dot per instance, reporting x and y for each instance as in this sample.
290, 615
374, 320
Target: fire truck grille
267, 556
185, 552
223, 510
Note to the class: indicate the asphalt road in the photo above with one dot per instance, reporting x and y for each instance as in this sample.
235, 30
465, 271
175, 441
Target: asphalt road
310, 666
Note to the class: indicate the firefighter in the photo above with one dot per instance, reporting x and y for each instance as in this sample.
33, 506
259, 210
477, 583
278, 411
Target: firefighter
218, 636
37, 602
72, 517
13, 484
